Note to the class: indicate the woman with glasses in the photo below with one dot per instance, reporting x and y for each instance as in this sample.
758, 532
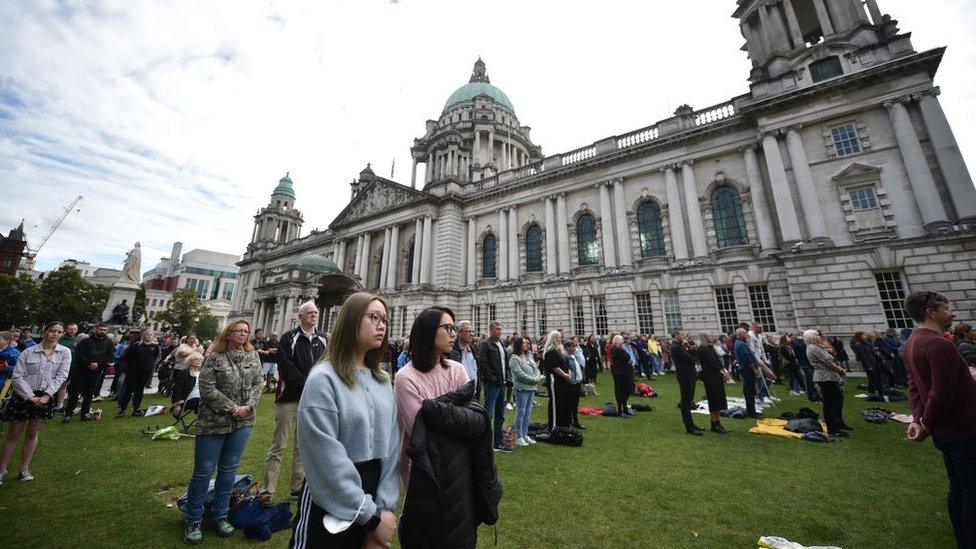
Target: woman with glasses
429, 374
347, 436
230, 386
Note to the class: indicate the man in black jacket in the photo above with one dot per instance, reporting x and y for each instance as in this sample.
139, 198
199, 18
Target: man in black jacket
684, 366
298, 350
93, 357
495, 377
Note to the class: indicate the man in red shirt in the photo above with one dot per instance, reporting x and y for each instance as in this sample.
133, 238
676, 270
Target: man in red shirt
942, 394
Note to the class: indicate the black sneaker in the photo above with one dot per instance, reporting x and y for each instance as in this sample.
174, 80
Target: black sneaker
121, 414
504, 449
139, 413
86, 417
696, 432
67, 418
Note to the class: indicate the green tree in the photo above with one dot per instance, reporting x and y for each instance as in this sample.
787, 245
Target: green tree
207, 326
18, 298
183, 312
65, 295
139, 305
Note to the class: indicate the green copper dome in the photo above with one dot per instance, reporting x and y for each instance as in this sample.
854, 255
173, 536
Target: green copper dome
478, 85
285, 186
315, 263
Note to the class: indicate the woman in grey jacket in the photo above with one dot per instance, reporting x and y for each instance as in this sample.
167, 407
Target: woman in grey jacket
525, 378
347, 437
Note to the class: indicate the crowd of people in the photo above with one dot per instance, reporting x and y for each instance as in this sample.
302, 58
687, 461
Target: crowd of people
368, 415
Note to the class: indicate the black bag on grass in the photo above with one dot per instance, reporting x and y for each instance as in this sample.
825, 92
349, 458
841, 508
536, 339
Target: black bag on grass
642, 407
565, 436
609, 409
808, 413
803, 425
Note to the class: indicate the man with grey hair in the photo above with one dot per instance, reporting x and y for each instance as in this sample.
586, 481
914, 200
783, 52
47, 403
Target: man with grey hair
748, 369
465, 352
299, 350
495, 378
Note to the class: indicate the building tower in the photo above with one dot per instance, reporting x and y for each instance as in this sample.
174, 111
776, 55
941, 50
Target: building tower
477, 136
12, 249
279, 222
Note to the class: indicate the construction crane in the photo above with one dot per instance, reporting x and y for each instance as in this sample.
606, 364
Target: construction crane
32, 253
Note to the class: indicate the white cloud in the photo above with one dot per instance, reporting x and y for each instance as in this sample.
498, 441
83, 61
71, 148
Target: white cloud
175, 120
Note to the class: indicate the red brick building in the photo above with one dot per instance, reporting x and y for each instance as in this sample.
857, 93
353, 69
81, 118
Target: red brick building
12, 249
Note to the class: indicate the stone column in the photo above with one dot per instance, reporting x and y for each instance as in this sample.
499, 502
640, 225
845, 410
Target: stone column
550, 236
954, 170
472, 271
809, 197
513, 248
418, 250
823, 17
413, 175
491, 146
760, 206
394, 260
335, 252
477, 146
367, 244
283, 308
562, 233
425, 267
775, 28
919, 174
606, 225
385, 258
840, 14
875, 11
623, 226
359, 256
676, 219
502, 249
341, 258
785, 212
256, 316
699, 244
429, 168
793, 24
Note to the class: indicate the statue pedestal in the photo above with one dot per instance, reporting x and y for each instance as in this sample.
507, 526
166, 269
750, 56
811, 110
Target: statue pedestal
118, 292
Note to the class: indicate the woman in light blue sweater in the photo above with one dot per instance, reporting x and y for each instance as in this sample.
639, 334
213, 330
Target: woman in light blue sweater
347, 437
525, 378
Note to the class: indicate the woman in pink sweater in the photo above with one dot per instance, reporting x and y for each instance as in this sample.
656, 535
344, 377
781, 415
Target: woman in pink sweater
429, 374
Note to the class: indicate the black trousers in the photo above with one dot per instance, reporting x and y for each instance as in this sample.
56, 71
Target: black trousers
621, 389
874, 379
307, 530
574, 398
687, 387
959, 455
83, 383
833, 404
133, 387
749, 390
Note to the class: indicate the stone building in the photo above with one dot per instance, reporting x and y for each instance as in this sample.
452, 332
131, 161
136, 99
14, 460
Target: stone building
12, 248
816, 199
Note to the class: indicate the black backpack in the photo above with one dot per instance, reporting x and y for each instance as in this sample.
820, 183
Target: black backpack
565, 436
609, 409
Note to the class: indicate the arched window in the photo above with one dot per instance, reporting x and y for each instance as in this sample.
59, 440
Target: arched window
730, 224
408, 276
489, 250
649, 229
533, 249
587, 248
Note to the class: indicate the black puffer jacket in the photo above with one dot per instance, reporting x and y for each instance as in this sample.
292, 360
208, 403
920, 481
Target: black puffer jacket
454, 484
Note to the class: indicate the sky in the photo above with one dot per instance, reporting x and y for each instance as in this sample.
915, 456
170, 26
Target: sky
176, 119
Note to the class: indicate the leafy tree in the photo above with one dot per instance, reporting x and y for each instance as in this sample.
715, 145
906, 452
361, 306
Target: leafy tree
139, 305
207, 327
66, 295
18, 297
183, 312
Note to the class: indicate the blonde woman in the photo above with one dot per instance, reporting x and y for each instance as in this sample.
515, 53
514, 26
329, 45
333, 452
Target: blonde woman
557, 372
230, 386
347, 436
40, 372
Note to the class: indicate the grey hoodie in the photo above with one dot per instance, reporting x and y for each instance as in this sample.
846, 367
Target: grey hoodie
339, 426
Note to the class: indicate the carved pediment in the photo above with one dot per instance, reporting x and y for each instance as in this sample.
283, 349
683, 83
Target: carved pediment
378, 196
857, 172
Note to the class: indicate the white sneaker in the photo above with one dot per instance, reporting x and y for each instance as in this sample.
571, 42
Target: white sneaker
3, 477
509, 406
529, 439
25, 475
522, 442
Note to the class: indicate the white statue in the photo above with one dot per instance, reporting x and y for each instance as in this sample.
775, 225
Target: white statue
131, 269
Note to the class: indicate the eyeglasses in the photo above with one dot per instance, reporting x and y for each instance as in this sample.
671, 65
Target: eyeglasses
377, 319
450, 328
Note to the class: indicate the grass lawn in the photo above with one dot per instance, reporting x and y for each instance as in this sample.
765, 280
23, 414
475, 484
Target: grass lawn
640, 482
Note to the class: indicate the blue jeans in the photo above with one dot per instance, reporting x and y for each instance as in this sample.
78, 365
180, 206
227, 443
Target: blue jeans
657, 367
222, 452
523, 409
495, 405
959, 455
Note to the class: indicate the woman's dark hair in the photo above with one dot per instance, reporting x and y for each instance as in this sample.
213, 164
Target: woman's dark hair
48, 326
518, 346
784, 340
422, 336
